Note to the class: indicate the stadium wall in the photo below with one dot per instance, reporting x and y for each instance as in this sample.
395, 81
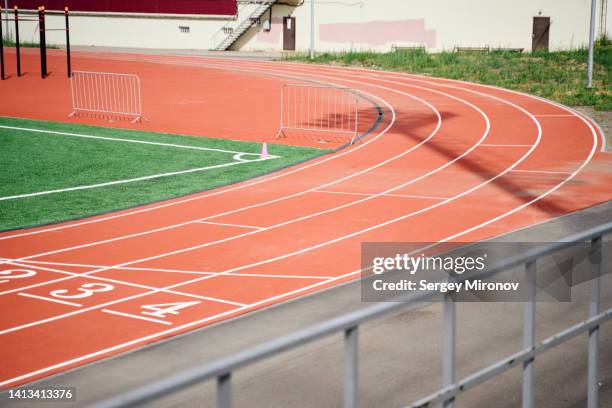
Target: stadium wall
438, 25
341, 26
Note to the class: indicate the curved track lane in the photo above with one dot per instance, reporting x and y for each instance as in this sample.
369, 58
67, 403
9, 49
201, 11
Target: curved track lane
448, 161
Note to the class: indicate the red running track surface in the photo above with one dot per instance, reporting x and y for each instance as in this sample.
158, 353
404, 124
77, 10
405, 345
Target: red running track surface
449, 161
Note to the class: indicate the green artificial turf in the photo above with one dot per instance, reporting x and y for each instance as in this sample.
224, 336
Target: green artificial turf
33, 162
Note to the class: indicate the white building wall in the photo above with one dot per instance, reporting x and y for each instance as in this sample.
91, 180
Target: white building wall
126, 31
346, 25
437, 24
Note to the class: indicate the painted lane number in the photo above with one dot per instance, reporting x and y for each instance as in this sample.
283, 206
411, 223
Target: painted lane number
8, 274
163, 309
85, 290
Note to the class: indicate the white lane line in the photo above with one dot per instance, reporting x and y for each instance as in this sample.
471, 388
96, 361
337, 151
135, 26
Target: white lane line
136, 341
541, 171
384, 195
133, 268
504, 145
126, 181
132, 316
482, 138
64, 302
552, 116
72, 275
114, 139
228, 225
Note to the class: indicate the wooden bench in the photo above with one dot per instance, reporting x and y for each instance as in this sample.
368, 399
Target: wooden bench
472, 49
517, 50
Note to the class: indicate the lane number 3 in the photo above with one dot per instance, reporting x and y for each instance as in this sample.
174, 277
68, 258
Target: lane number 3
85, 290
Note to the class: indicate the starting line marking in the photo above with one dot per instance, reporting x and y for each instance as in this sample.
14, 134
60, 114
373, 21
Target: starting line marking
50, 300
102, 278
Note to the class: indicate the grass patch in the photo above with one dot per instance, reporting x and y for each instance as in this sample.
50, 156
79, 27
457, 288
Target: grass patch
25, 44
34, 162
560, 76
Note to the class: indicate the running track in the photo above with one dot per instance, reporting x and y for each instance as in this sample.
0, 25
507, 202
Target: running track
449, 161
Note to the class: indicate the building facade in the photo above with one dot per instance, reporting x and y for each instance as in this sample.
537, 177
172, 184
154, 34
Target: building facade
378, 25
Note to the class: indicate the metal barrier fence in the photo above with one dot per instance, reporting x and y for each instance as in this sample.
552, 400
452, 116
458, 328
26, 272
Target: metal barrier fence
222, 369
319, 108
106, 94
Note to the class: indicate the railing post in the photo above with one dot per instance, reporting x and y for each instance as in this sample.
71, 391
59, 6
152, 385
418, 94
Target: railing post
1, 50
528, 330
593, 353
449, 341
224, 391
350, 367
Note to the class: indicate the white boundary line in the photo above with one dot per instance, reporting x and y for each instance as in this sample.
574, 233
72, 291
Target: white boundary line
504, 145
385, 195
157, 335
541, 171
228, 225
54, 132
554, 116
126, 181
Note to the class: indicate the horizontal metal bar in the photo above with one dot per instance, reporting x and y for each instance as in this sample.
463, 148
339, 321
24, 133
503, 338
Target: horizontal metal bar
21, 19
105, 73
350, 132
246, 357
503, 365
342, 88
106, 112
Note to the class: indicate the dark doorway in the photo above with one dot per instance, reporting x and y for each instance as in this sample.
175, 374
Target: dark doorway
289, 33
541, 30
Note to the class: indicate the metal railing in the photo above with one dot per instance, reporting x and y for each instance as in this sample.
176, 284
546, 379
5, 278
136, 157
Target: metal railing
349, 323
319, 108
104, 93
